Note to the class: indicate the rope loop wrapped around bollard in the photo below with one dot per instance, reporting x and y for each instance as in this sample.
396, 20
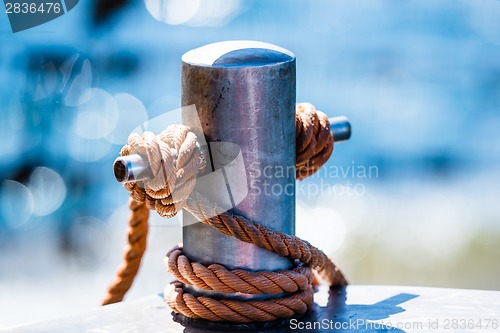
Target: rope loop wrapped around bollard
175, 159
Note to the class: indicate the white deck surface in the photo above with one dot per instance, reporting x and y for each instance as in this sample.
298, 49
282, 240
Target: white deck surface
359, 309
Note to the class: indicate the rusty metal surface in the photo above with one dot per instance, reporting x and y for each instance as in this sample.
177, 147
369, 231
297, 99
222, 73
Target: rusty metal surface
355, 309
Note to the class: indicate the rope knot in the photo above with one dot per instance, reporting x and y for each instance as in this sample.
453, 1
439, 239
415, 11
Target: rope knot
174, 158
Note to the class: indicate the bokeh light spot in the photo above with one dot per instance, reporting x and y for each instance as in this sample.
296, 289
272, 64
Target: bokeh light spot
131, 113
310, 219
48, 190
16, 204
87, 150
194, 12
97, 117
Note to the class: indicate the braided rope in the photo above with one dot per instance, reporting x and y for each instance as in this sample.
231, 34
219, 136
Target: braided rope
175, 160
314, 140
137, 235
237, 311
218, 278
250, 232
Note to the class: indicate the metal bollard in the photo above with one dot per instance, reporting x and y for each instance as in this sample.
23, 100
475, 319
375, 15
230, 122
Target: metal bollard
244, 94
238, 97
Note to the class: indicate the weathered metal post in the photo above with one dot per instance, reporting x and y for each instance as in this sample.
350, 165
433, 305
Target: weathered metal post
244, 94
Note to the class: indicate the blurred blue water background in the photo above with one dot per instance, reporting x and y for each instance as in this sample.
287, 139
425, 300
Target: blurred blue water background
411, 199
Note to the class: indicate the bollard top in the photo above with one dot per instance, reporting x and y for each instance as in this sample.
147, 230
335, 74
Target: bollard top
237, 53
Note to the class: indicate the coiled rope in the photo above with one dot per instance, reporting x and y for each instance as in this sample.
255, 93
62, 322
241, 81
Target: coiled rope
175, 160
